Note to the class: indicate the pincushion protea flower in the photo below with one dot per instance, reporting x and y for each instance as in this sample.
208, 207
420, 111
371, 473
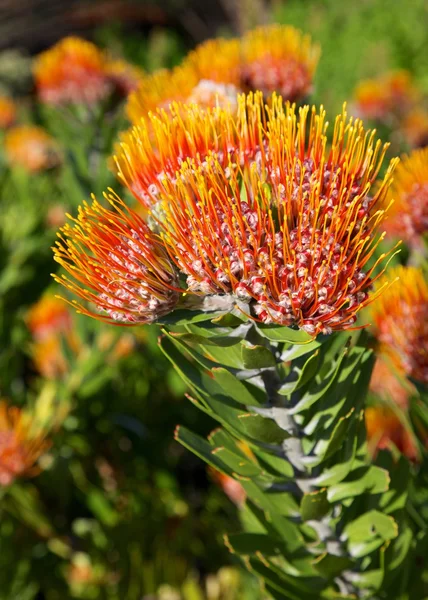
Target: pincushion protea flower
408, 218
117, 264
385, 430
157, 147
7, 112
271, 58
292, 232
31, 147
400, 320
19, 446
278, 59
72, 71
388, 95
275, 221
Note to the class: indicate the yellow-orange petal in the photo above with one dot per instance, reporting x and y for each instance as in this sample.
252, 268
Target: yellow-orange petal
158, 90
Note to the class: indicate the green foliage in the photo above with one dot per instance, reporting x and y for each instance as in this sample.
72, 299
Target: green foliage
360, 40
320, 520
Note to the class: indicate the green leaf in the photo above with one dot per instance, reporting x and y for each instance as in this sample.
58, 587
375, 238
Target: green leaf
299, 376
276, 465
317, 391
239, 465
262, 429
314, 505
257, 357
242, 392
366, 479
280, 333
330, 566
228, 320
246, 544
192, 338
185, 317
271, 519
200, 447
326, 448
200, 382
368, 532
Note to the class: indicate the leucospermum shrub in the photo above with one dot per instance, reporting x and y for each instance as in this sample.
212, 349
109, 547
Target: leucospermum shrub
257, 248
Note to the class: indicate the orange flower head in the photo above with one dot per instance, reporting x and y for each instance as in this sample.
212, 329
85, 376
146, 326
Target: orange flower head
157, 147
19, 446
291, 232
415, 128
124, 76
389, 383
7, 112
279, 59
72, 71
31, 147
385, 96
385, 429
217, 61
408, 218
159, 90
48, 320
49, 315
400, 320
117, 264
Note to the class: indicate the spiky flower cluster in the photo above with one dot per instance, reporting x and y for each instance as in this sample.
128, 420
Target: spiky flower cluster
273, 58
117, 264
250, 205
155, 149
31, 147
408, 218
400, 319
19, 447
76, 71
